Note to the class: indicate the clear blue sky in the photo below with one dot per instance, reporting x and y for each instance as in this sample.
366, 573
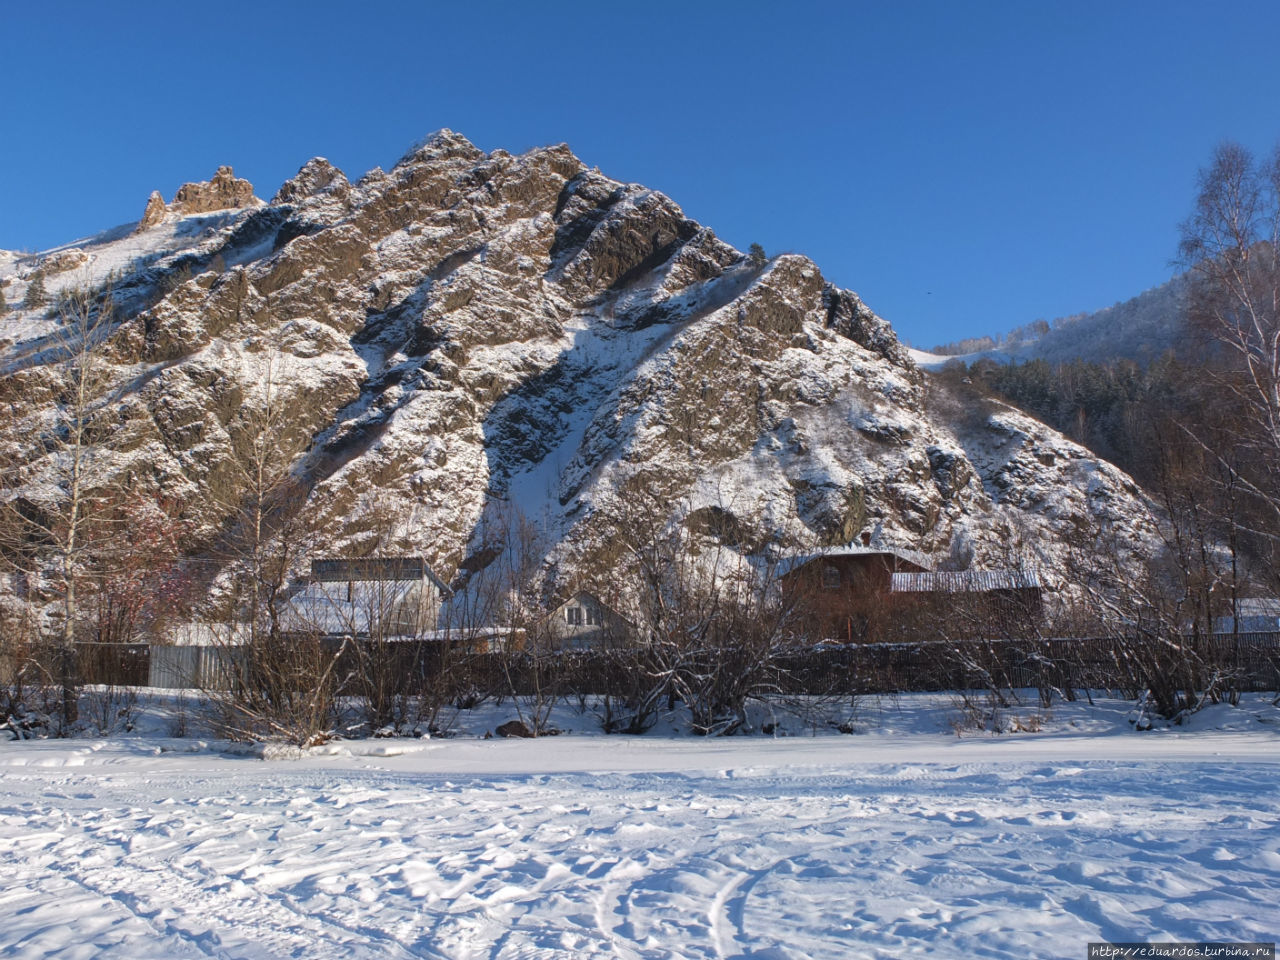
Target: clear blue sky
966, 167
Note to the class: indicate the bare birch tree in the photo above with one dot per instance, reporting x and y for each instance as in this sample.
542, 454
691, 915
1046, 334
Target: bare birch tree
712, 621
283, 683
58, 492
1231, 246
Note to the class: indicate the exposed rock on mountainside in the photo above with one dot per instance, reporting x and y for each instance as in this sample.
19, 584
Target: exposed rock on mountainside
316, 175
469, 334
224, 192
155, 212
63, 261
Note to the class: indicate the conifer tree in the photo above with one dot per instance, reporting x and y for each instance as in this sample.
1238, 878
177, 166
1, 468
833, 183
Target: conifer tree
36, 296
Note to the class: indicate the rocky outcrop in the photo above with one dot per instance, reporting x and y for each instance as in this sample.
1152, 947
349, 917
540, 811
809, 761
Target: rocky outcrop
63, 260
224, 192
316, 175
154, 213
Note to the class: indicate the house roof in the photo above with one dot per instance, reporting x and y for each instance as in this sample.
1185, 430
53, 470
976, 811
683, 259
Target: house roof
1255, 615
1258, 606
1254, 623
914, 557
964, 581
560, 601
333, 570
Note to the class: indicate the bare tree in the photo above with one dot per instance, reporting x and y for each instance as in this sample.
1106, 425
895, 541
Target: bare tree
283, 684
510, 593
58, 502
1214, 464
262, 500
1231, 246
1151, 623
711, 619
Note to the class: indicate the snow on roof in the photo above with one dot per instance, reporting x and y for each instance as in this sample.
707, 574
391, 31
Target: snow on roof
1250, 624
374, 569
1258, 606
964, 581
1253, 615
858, 550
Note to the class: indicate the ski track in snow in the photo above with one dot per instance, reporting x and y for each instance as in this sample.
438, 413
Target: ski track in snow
986, 859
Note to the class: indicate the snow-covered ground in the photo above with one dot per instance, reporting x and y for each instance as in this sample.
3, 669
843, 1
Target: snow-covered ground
904, 839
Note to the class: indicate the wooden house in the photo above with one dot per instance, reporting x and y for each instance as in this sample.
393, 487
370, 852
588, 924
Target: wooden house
844, 591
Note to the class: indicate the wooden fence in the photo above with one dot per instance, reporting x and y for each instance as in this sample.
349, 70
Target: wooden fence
1251, 662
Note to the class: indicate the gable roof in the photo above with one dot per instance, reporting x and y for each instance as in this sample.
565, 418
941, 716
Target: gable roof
1258, 606
790, 565
560, 601
333, 570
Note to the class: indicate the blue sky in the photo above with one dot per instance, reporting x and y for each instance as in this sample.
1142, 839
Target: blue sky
966, 167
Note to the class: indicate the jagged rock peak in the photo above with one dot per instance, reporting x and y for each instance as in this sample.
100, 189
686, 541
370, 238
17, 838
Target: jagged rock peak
444, 144
225, 191
315, 176
154, 213
850, 317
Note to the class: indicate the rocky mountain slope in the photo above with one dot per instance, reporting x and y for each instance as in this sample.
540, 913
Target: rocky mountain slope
470, 337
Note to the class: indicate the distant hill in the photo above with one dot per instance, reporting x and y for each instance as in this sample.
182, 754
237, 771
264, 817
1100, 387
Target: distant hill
1140, 329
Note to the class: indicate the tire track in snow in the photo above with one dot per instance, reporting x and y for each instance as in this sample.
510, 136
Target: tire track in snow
717, 914
270, 921
369, 864
180, 903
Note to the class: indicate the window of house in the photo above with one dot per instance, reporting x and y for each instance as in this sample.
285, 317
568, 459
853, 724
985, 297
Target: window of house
830, 578
573, 616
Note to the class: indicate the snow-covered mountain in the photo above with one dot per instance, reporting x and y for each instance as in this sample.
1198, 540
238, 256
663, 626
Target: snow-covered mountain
471, 335
1141, 329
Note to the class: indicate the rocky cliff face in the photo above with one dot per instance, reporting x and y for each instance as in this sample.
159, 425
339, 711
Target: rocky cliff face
154, 213
225, 191
468, 336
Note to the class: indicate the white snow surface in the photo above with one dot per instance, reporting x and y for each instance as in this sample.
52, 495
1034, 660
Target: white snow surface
901, 840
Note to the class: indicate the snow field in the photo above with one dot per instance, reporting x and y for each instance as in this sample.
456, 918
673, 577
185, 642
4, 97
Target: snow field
1024, 846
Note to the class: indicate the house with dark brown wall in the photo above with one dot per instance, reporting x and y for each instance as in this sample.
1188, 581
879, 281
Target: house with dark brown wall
844, 591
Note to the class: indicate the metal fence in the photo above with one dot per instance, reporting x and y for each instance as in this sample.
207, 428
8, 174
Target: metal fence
206, 668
